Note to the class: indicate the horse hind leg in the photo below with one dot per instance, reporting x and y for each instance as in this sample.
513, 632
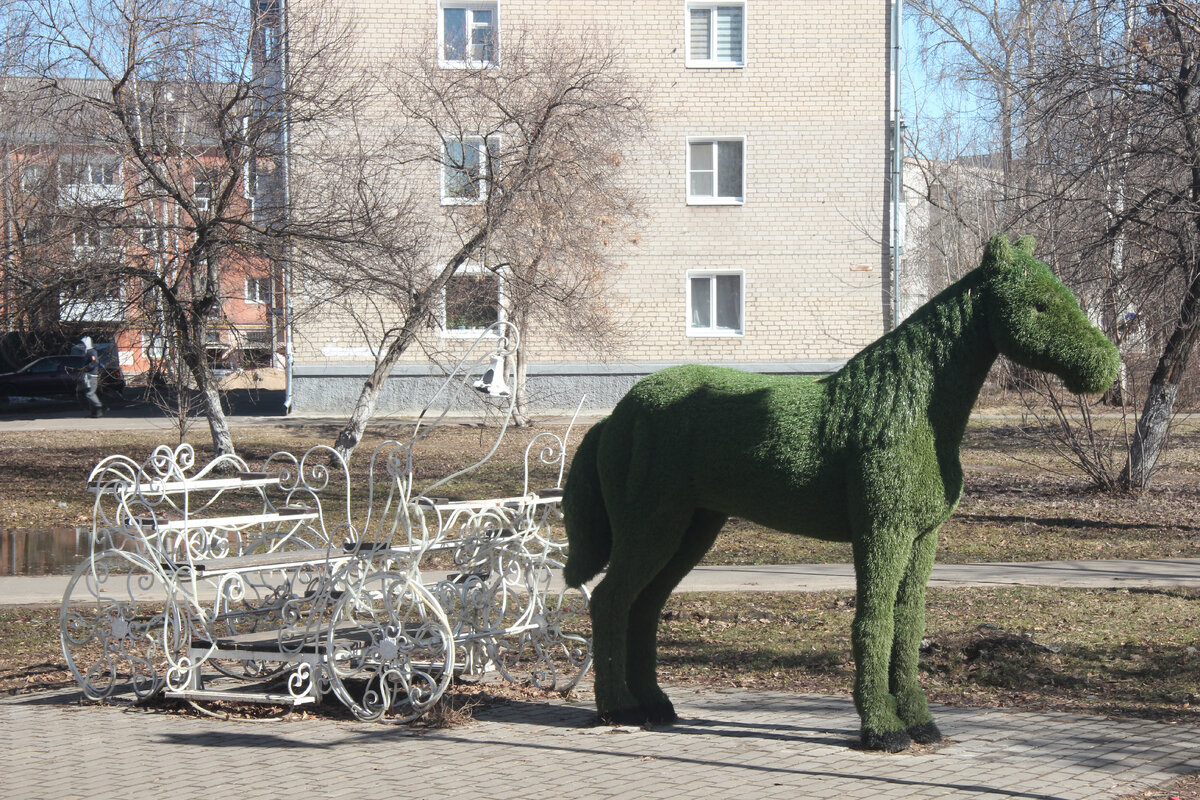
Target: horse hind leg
641, 664
643, 547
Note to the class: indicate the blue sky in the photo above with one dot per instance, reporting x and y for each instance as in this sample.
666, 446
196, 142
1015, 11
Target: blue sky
926, 102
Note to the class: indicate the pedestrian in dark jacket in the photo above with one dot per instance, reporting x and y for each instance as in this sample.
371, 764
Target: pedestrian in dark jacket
90, 376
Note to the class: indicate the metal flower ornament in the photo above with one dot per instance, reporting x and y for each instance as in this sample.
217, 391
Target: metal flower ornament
868, 455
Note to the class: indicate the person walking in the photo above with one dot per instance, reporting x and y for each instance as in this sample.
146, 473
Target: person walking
90, 376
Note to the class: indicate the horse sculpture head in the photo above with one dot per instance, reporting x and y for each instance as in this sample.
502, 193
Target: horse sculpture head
1036, 321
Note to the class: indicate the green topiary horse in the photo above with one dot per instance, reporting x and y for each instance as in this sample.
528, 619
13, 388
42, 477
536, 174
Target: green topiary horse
869, 455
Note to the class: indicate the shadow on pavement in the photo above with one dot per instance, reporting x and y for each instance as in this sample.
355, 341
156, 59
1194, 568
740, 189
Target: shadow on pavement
223, 737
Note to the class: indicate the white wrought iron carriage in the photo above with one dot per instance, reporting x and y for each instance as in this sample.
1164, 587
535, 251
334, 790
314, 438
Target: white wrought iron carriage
284, 584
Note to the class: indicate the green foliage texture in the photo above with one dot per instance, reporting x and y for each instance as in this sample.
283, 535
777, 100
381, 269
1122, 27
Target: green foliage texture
869, 455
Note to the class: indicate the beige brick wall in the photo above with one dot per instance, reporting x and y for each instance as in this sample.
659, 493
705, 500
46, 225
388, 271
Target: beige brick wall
811, 104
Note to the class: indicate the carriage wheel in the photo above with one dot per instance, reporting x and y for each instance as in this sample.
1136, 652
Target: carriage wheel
117, 626
247, 604
389, 649
550, 640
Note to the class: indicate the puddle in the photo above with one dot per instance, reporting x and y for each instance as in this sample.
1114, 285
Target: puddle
48, 551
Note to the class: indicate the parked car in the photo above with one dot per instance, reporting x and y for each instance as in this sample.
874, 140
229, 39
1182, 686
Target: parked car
56, 376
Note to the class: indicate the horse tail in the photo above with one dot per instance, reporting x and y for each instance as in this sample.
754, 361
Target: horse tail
589, 533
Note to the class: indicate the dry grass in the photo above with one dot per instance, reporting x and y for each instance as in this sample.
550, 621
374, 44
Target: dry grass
1021, 504
1095, 651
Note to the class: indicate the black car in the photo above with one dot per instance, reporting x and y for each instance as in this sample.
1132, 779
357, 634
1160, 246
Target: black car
56, 376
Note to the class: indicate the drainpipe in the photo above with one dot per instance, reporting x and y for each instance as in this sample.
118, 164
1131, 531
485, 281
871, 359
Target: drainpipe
896, 177
9, 245
286, 166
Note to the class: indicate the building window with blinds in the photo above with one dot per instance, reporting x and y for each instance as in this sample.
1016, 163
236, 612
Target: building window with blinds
716, 35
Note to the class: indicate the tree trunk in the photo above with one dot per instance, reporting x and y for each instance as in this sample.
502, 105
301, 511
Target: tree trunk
364, 408
418, 314
1151, 433
218, 425
521, 416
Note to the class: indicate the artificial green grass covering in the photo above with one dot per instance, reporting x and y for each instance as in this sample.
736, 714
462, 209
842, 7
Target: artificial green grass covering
869, 455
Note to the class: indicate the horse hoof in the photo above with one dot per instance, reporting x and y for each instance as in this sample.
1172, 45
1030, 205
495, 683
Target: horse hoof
623, 716
888, 741
925, 733
660, 713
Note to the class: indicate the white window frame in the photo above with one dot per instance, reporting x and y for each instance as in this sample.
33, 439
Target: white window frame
83, 244
32, 232
712, 331
712, 62
713, 199
487, 144
91, 170
202, 201
33, 177
155, 346
89, 179
470, 8
469, 270
254, 294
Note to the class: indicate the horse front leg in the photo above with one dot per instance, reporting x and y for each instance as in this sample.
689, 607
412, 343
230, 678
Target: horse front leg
879, 561
911, 704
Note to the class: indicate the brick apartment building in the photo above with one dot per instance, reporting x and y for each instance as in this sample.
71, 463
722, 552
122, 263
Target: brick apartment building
69, 205
767, 242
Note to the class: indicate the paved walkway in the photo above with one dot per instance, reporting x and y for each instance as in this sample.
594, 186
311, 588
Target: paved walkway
733, 743
41, 590
729, 744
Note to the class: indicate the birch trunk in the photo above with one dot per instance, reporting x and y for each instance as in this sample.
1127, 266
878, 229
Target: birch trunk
349, 436
1155, 420
218, 424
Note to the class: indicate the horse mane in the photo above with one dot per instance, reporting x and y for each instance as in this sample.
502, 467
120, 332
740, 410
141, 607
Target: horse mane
939, 355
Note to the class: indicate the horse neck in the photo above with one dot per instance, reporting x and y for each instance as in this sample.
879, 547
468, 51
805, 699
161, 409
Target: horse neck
931, 366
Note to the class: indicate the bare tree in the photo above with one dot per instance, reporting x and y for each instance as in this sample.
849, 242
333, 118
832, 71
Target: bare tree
1146, 66
1106, 139
168, 121
529, 155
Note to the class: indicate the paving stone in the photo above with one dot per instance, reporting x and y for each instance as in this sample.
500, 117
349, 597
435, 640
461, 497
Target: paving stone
732, 743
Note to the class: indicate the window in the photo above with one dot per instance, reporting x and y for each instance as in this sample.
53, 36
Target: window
715, 171
32, 233
715, 306
472, 303
468, 34
154, 346
716, 35
46, 365
258, 290
202, 193
90, 173
33, 178
87, 239
466, 167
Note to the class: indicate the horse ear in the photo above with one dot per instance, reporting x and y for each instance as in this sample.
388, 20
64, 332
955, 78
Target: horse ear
1026, 244
998, 252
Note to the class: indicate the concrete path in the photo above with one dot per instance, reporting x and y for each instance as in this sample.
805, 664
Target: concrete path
41, 590
840, 577
731, 744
